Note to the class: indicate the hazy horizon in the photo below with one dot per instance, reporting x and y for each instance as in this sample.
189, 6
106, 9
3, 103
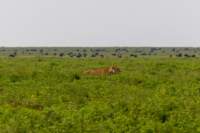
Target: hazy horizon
77, 22
102, 44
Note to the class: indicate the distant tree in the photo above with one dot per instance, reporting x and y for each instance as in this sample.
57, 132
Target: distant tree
114, 54
61, 54
186, 55
125, 49
153, 49
186, 49
46, 53
41, 51
144, 54
117, 49
12, 55
84, 54
70, 54
173, 49
193, 55
33, 50
102, 56
93, 55
133, 55
179, 55
78, 55
119, 56
96, 53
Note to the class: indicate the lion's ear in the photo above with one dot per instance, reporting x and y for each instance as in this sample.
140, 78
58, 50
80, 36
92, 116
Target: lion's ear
114, 65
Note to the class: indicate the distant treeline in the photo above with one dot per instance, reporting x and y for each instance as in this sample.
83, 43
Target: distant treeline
101, 52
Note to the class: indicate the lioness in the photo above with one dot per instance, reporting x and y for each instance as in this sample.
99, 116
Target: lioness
103, 71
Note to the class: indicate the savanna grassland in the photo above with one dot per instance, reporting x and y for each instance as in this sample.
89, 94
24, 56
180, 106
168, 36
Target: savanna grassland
49, 94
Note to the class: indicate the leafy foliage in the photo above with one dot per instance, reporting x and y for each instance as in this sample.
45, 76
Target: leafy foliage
46, 94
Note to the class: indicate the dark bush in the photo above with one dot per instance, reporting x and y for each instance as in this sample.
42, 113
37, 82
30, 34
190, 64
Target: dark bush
41, 51
33, 50
93, 55
13, 55
114, 54
78, 55
193, 55
133, 55
75, 76
102, 56
70, 54
84, 55
144, 54
61, 54
186, 55
179, 55
119, 56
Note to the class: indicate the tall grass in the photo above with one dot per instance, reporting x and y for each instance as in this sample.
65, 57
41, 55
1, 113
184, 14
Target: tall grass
52, 95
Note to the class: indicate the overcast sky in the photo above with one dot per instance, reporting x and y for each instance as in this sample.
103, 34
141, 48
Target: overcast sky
40, 22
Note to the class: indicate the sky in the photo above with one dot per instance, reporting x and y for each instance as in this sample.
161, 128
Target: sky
99, 22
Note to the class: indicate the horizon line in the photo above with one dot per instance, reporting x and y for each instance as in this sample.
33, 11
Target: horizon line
103, 44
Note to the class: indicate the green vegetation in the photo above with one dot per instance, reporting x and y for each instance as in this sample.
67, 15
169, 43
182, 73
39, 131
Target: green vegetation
50, 94
95, 52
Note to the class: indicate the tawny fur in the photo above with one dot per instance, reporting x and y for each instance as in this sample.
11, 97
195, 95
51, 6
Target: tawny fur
103, 71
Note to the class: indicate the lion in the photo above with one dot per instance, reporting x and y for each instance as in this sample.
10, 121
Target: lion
103, 71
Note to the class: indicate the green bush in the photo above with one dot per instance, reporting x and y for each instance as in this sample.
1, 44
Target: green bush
44, 94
